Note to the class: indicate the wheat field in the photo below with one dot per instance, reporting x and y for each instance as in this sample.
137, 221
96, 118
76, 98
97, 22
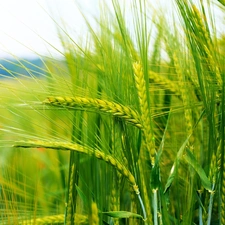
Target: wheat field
125, 129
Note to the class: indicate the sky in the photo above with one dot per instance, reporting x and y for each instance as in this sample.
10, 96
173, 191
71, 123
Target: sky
27, 26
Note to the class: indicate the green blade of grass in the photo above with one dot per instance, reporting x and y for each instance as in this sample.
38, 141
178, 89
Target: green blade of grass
191, 160
175, 166
122, 214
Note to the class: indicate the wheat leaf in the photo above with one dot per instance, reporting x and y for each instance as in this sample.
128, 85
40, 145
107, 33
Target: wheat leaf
122, 214
173, 170
191, 160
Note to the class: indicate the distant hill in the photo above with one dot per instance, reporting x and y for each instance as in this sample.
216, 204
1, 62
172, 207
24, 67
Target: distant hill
25, 67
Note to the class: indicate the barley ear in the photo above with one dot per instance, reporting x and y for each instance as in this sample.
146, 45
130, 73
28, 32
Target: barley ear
144, 110
115, 109
185, 98
90, 151
204, 40
85, 150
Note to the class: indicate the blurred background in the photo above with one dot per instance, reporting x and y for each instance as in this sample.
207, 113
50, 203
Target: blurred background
29, 27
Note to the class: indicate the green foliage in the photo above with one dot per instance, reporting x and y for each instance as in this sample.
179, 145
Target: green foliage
136, 114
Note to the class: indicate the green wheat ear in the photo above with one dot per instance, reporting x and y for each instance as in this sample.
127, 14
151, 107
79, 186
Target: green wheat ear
85, 150
89, 151
144, 110
115, 109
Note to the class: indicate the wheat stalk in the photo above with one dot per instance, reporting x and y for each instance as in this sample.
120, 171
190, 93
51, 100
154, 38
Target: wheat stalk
144, 186
118, 110
213, 176
69, 216
133, 208
115, 193
223, 198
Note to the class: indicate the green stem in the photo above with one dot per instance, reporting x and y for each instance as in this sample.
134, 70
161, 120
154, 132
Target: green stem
142, 207
210, 205
155, 206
